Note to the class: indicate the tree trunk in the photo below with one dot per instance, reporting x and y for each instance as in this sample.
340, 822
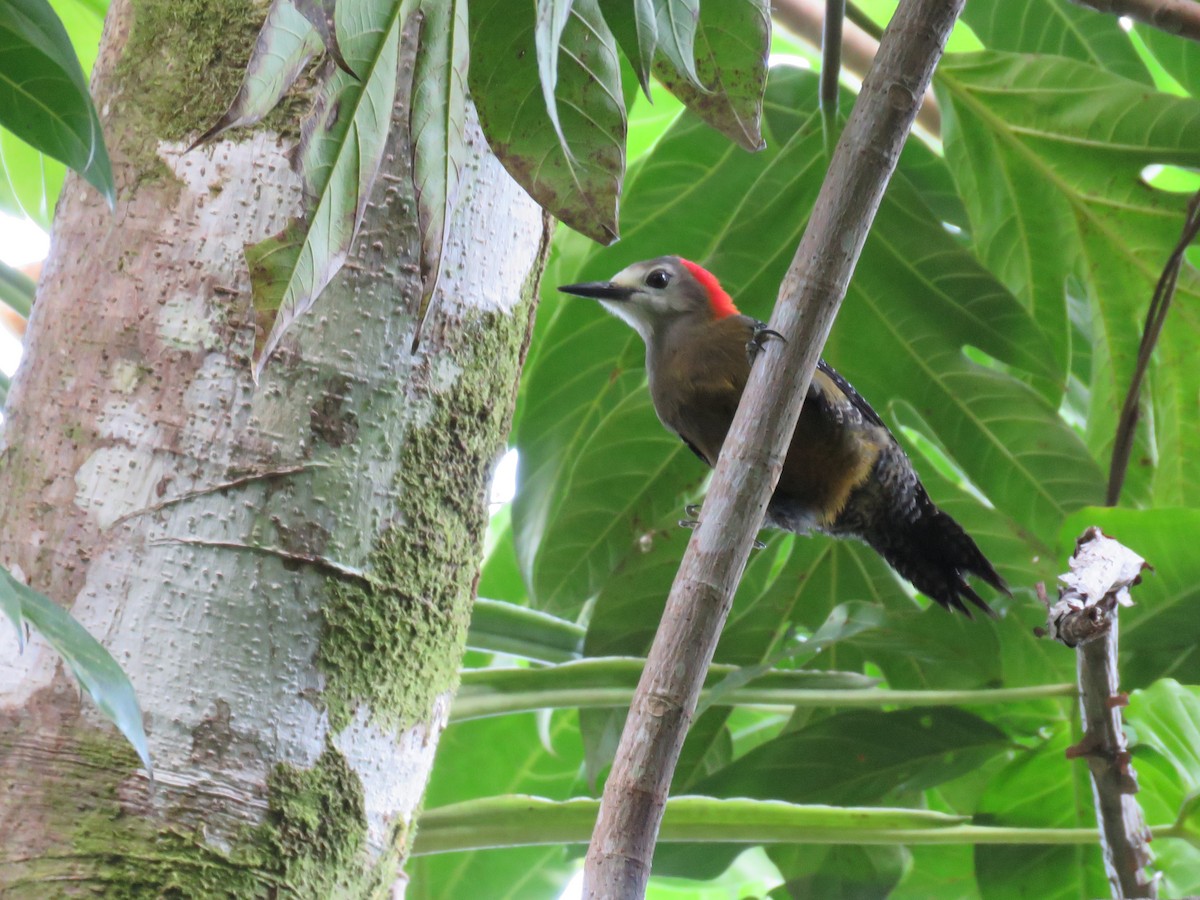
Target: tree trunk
285, 571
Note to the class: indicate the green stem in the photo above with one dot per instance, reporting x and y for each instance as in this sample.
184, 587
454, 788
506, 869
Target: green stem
520, 821
475, 701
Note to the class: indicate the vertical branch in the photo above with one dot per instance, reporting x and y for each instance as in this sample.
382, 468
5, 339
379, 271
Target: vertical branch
831, 67
618, 860
1085, 617
1160, 303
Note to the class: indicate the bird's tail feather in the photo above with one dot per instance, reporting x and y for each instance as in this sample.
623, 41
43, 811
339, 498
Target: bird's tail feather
935, 554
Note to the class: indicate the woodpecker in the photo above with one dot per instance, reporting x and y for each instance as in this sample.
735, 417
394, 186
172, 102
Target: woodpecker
844, 474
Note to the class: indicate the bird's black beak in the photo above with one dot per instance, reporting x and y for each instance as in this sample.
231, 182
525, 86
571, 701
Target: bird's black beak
598, 290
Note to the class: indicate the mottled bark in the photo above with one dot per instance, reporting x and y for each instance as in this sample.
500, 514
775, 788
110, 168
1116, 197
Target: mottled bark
208, 531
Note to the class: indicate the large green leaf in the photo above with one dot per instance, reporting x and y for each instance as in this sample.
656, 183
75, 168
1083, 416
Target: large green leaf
1049, 154
730, 47
44, 97
1055, 28
1040, 788
840, 759
577, 178
98, 673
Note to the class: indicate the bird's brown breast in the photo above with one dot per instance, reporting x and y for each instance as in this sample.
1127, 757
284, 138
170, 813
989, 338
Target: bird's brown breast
696, 382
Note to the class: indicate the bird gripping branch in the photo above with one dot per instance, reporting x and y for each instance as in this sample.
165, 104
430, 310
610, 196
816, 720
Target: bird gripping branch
844, 474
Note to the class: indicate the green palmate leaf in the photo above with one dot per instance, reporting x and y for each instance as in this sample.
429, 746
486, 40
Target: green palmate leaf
16, 290
730, 48
286, 42
98, 673
676, 30
577, 178
439, 109
499, 627
1049, 154
838, 871
842, 759
1056, 28
1040, 788
634, 23
339, 156
490, 757
1158, 634
1181, 58
44, 98
521, 820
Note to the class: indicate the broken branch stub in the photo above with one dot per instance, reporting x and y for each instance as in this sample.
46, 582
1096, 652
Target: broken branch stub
1085, 617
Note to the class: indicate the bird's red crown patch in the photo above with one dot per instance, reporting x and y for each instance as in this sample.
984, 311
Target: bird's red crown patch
721, 302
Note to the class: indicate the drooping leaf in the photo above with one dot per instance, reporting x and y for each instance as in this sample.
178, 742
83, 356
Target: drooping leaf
437, 125
44, 97
285, 43
581, 187
730, 47
339, 157
97, 672
551, 19
320, 14
675, 26
634, 23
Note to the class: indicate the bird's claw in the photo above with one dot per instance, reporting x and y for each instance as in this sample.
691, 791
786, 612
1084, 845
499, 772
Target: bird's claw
692, 509
761, 335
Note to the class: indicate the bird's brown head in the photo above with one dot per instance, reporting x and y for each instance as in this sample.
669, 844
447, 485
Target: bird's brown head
650, 294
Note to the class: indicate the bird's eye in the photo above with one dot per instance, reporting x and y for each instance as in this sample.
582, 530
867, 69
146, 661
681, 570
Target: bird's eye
658, 279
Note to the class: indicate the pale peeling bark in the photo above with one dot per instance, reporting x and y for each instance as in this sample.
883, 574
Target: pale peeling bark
208, 531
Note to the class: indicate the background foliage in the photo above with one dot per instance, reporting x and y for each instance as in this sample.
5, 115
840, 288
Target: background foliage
993, 322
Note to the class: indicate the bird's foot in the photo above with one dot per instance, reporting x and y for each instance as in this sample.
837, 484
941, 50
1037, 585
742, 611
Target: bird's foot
761, 335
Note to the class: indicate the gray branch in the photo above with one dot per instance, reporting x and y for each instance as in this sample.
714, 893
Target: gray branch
618, 860
1085, 617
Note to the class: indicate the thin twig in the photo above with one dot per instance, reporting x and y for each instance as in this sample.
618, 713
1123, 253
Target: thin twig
831, 68
1085, 617
618, 860
1177, 17
1156, 315
806, 20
